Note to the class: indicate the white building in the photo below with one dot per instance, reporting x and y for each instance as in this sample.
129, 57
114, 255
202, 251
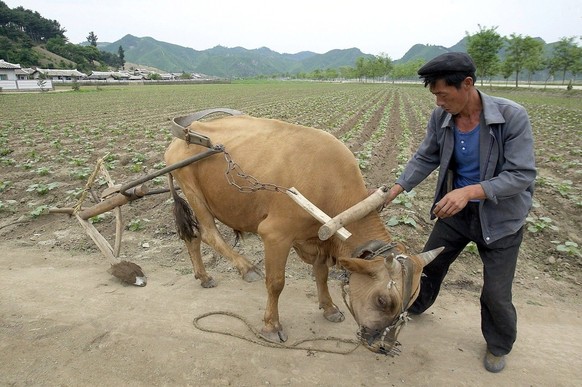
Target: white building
8, 71
15, 78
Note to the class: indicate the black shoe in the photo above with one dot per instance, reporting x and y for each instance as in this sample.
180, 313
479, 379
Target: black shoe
494, 363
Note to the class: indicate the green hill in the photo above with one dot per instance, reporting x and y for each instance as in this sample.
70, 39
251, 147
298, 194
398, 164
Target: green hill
227, 62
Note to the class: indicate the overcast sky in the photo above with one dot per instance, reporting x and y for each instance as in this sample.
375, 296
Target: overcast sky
374, 26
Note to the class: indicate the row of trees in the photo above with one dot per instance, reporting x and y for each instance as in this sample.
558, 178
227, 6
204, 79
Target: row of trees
522, 56
22, 29
116, 61
20, 22
86, 58
378, 68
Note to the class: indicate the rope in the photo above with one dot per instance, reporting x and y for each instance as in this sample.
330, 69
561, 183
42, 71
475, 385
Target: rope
259, 341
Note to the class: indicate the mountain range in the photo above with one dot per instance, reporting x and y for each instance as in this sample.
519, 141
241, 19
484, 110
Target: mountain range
227, 62
235, 62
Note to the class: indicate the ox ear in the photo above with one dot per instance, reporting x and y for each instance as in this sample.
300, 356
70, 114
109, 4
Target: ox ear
361, 266
428, 256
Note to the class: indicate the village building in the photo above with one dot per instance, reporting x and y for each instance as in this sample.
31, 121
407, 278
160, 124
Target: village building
109, 76
59, 75
8, 71
14, 78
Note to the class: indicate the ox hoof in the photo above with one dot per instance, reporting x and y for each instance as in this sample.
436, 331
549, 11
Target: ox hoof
252, 275
274, 337
209, 283
334, 315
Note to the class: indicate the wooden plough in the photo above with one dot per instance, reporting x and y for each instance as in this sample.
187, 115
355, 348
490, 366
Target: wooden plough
111, 199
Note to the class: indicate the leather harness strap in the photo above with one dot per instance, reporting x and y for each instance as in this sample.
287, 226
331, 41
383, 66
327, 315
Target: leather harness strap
407, 268
179, 126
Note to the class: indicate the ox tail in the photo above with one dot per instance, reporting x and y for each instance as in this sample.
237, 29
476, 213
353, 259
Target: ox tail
186, 223
238, 236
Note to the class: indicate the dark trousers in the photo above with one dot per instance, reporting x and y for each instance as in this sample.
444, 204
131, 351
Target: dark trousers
498, 315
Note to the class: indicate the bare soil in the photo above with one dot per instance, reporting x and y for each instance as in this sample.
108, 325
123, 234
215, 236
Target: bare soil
65, 321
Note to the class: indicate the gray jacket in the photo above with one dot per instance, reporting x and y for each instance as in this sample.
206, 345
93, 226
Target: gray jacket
507, 164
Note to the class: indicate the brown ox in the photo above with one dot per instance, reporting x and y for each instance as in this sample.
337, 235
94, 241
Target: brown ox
320, 167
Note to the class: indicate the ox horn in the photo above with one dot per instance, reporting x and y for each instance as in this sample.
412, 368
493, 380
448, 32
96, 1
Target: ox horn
392, 265
429, 256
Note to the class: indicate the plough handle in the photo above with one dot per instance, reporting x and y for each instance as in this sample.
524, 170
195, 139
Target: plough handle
114, 201
209, 152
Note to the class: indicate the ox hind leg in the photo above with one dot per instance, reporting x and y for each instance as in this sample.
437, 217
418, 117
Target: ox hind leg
188, 231
207, 232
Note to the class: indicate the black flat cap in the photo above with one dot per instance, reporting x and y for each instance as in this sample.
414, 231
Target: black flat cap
450, 62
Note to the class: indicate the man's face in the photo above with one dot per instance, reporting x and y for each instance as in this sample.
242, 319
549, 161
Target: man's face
451, 99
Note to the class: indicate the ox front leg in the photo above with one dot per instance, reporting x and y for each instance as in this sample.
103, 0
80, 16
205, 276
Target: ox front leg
198, 265
275, 261
330, 311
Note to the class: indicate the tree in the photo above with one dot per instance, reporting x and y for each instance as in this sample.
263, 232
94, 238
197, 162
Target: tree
408, 70
483, 48
524, 53
39, 29
506, 70
121, 55
378, 67
383, 65
567, 56
535, 60
360, 68
92, 39
347, 72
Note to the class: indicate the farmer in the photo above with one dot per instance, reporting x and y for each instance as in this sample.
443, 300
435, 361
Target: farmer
483, 149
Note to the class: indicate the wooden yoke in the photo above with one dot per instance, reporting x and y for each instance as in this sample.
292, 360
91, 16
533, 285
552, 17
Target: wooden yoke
356, 212
336, 224
318, 214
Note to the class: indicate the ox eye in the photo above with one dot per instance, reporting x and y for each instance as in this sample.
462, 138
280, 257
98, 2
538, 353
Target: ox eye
382, 302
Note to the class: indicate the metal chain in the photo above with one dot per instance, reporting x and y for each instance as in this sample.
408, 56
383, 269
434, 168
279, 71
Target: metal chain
234, 171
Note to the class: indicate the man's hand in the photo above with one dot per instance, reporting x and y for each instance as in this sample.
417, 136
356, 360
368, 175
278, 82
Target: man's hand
457, 199
394, 191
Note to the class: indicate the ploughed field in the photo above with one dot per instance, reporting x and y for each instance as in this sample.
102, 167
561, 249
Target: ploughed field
50, 142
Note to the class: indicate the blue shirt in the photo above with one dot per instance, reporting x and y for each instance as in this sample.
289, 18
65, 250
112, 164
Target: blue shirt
466, 156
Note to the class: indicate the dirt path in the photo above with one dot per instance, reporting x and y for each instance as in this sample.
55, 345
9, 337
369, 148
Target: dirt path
65, 321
